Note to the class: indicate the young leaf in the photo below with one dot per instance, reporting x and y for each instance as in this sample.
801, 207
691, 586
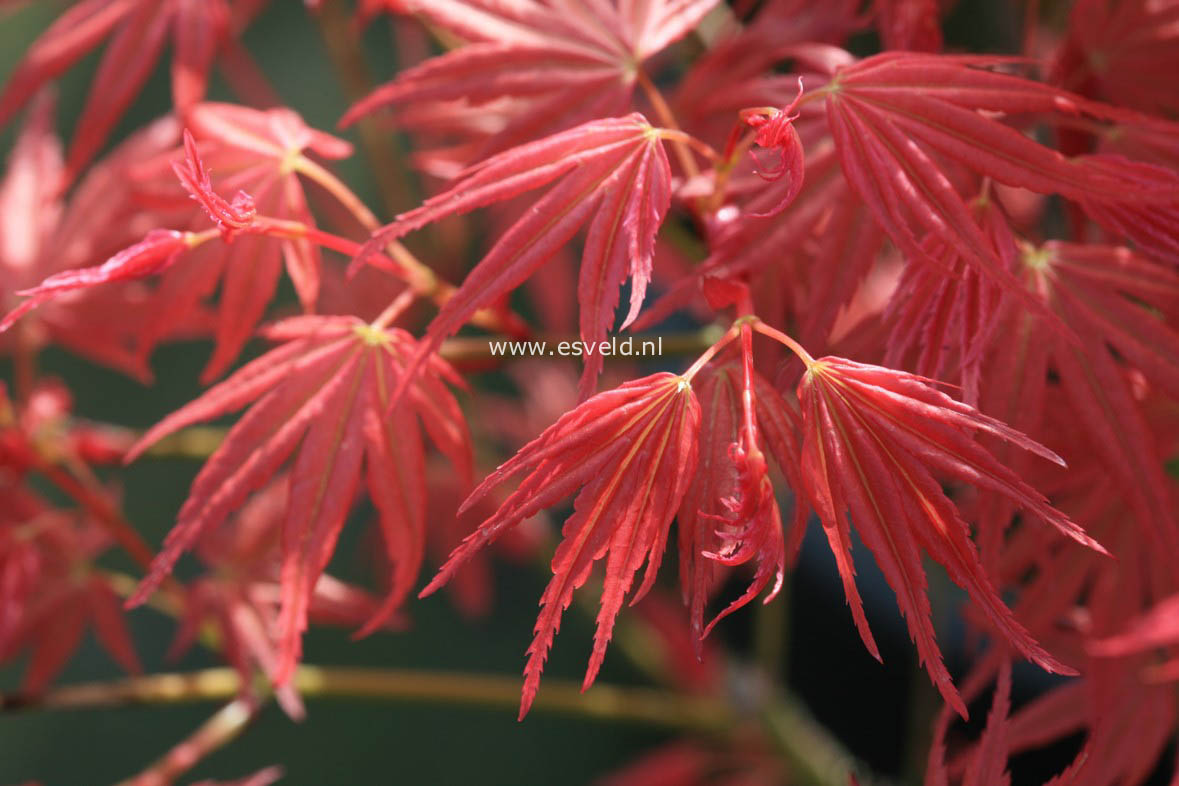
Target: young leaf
730, 515
198, 182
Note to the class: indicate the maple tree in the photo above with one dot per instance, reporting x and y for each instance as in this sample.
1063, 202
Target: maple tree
917, 298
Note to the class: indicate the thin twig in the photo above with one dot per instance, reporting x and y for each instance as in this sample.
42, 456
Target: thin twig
607, 702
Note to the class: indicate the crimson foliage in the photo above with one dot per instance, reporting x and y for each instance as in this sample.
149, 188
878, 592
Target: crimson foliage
979, 249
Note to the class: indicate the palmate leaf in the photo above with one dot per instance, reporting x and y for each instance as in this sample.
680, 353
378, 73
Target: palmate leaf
324, 396
1152, 225
1128, 721
872, 438
562, 63
53, 626
612, 174
41, 234
239, 595
632, 452
1108, 297
262, 152
896, 115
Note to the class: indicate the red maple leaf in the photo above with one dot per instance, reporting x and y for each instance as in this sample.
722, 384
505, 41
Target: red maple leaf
611, 173
632, 452
1077, 600
1109, 298
1123, 52
240, 595
561, 64
42, 233
987, 764
896, 116
872, 437
944, 319
323, 395
266, 151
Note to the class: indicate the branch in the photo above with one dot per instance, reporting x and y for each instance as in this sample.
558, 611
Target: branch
606, 702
